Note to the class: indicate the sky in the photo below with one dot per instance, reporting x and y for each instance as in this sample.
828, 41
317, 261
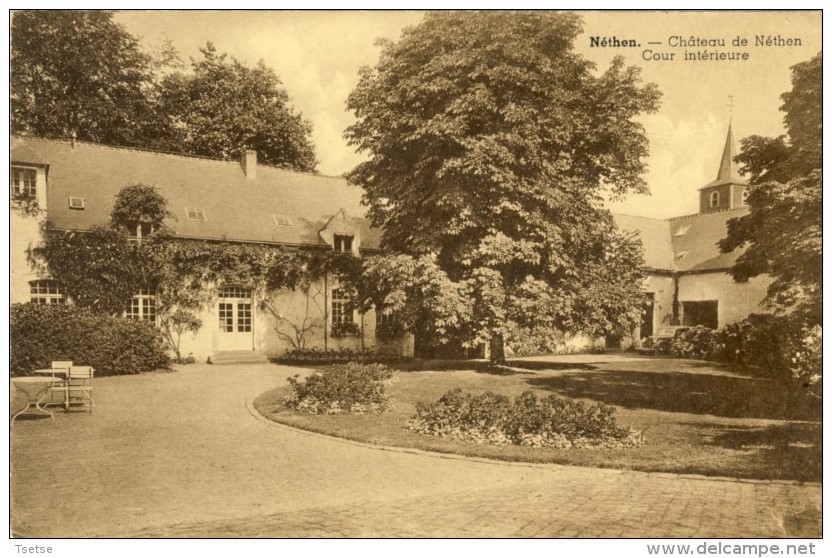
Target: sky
317, 55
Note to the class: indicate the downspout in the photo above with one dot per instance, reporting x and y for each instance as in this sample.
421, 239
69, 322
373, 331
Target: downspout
326, 309
676, 303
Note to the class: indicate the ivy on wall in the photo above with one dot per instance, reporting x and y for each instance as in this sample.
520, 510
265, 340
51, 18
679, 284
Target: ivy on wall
103, 268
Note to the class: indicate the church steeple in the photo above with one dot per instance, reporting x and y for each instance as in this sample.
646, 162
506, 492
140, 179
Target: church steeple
727, 173
727, 167
728, 191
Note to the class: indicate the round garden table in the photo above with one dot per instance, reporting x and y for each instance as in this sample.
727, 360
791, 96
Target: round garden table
35, 389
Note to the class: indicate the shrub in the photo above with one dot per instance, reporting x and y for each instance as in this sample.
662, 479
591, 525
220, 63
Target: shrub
345, 329
528, 421
773, 346
390, 330
761, 342
806, 364
346, 388
41, 333
337, 356
699, 342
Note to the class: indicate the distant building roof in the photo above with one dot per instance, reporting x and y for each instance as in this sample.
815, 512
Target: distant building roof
655, 237
235, 207
703, 231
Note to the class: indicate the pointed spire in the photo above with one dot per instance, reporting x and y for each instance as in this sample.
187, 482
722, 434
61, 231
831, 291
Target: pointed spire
727, 166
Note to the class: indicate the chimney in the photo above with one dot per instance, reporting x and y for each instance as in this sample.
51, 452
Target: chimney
249, 163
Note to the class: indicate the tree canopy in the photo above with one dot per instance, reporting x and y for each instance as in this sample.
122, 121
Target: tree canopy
79, 74
490, 144
224, 107
782, 234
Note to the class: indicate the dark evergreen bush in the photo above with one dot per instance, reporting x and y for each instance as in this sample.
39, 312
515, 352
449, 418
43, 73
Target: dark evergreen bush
41, 333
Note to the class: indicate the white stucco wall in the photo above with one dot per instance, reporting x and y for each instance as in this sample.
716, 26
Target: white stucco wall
24, 231
736, 300
293, 306
662, 288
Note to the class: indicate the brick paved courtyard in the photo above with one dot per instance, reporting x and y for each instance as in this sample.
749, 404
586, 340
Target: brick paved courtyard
180, 455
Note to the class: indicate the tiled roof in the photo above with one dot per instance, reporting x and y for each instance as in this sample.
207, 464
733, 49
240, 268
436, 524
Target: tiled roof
655, 237
698, 243
237, 208
683, 243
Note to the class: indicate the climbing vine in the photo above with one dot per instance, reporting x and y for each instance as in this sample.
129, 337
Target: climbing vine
103, 268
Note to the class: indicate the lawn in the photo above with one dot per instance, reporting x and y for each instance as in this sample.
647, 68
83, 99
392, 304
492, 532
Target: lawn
697, 417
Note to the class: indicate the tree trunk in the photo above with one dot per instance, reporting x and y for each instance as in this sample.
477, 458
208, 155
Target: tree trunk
497, 349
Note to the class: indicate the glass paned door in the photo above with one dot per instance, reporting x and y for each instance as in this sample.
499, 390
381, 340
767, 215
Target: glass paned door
234, 311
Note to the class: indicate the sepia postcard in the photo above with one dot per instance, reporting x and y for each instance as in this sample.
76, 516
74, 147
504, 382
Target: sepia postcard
416, 275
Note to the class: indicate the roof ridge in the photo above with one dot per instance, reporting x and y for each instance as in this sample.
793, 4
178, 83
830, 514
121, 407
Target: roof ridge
692, 215
640, 216
168, 154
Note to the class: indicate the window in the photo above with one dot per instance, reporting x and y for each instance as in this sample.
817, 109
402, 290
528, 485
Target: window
195, 214
714, 199
140, 231
234, 292
46, 291
341, 307
143, 306
700, 312
343, 243
647, 312
388, 325
745, 197
235, 310
76, 202
682, 231
22, 182
383, 319
282, 220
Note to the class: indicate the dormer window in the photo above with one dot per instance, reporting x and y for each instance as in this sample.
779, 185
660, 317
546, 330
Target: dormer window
714, 199
195, 214
23, 183
282, 220
682, 231
138, 232
342, 243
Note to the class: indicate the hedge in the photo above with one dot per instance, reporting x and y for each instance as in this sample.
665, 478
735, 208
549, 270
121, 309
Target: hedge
341, 355
41, 333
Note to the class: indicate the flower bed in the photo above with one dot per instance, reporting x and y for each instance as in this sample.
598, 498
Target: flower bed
338, 356
343, 389
492, 418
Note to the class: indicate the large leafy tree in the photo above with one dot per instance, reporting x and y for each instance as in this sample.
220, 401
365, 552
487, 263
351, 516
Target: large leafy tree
490, 143
782, 234
223, 107
77, 73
